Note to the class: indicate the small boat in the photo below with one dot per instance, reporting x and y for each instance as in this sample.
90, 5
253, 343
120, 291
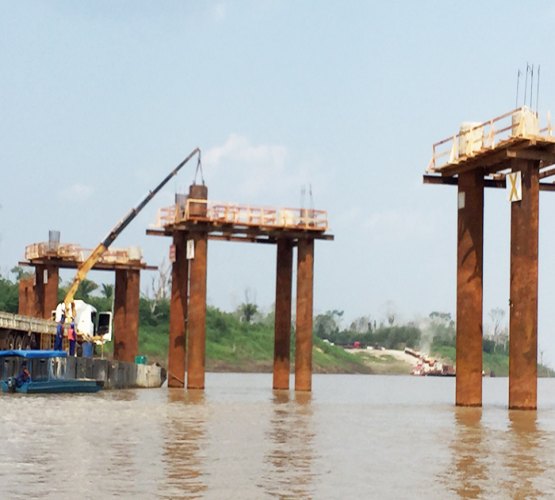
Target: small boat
42, 374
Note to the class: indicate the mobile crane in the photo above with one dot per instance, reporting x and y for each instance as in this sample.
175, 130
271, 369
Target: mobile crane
69, 305
22, 332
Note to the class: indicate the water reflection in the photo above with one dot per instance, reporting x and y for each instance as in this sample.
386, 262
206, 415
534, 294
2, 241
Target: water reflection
290, 456
184, 439
522, 455
468, 472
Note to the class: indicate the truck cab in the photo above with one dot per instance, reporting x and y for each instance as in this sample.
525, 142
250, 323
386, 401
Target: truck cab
89, 323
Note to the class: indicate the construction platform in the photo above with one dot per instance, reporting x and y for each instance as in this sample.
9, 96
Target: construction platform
491, 145
235, 222
194, 220
70, 256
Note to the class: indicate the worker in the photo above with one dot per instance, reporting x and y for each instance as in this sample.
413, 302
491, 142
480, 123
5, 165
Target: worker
59, 334
24, 375
72, 337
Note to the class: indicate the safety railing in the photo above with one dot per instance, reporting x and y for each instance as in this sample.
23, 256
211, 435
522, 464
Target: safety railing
76, 253
243, 215
475, 138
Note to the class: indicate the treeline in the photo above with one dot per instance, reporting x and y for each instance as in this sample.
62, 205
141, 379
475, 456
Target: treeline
431, 334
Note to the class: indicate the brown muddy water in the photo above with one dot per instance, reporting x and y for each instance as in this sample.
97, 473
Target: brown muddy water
354, 436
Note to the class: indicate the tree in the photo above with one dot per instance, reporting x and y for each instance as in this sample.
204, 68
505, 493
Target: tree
390, 312
9, 295
85, 289
499, 333
361, 325
107, 291
248, 309
326, 326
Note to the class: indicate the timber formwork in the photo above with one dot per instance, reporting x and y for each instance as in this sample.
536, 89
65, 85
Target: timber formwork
191, 223
38, 295
483, 155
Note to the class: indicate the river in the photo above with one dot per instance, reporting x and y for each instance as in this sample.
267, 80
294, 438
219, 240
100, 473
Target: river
354, 436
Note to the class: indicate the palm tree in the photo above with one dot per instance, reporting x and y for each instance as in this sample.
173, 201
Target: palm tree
86, 287
107, 290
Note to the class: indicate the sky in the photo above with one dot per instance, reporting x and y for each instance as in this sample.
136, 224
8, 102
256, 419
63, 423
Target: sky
100, 100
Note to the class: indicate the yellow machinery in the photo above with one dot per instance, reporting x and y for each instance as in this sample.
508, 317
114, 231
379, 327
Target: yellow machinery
95, 255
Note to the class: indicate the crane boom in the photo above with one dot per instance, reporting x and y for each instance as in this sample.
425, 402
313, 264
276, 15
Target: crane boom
97, 253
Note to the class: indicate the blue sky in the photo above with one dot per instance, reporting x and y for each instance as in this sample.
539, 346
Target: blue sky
99, 100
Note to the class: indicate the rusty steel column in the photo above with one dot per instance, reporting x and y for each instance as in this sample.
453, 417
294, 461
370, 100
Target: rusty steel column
303, 334
126, 315
282, 329
37, 309
470, 252
178, 312
523, 319
133, 294
26, 296
197, 315
50, 291
119, 313
46, 291
196, 332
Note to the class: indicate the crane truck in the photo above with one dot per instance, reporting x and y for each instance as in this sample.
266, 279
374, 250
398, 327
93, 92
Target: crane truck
23, 332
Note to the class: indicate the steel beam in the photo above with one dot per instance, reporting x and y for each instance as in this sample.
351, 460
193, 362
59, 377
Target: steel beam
178, 312
303, 335
470, 251
523, 321
126, 315
282, 330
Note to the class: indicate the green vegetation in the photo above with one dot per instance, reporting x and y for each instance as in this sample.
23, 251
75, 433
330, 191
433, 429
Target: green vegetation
244, 340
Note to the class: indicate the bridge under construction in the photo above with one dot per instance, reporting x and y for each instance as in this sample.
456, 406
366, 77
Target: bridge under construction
513, 151
191, 223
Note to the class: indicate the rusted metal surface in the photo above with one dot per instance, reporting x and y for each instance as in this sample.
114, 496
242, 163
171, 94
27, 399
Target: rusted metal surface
470, 250
178, 313
196, 333
26, 296
46, 291
523, 321
282, 335
51, 291
499, 183
303, 335
126, 315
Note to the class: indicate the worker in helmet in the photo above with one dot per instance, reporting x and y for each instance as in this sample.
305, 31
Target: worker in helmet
72, 337
58, 340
